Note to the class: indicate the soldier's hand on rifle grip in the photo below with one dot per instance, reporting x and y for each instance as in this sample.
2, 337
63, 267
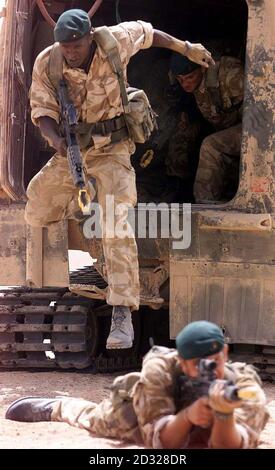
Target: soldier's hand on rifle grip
199, 413
217, 401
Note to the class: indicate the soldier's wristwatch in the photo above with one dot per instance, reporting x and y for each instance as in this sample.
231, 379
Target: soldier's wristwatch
223, 416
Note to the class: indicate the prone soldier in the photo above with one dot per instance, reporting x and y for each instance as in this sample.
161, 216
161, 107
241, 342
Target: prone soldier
144, 407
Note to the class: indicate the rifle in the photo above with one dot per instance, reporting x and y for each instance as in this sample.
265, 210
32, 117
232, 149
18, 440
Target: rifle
69, 123
191, 389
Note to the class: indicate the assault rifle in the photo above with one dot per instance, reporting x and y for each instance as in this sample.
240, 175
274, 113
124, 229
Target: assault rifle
69, 123
191, 389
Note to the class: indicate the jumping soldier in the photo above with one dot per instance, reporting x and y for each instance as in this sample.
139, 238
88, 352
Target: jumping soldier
94, 90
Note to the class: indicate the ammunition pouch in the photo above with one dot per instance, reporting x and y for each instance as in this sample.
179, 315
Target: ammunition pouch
140, 118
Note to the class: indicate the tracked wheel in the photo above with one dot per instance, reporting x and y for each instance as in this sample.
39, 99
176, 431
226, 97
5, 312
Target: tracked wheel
54, 328
46, 328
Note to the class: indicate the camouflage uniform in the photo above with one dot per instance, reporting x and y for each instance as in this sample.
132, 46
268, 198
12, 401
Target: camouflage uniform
218, 165
181, 159
220, 149
142, 403
51, 193
183, 153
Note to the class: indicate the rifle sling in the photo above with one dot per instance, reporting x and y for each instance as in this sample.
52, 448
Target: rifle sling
107, 41
55, 65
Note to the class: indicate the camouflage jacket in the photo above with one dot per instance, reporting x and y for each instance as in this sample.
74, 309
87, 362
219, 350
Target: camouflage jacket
154, 402
230, 87
96, 95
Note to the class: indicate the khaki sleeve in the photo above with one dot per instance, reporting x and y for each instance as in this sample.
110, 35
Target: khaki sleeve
133, 36
153, 400
234, 78
42, 94
252, 415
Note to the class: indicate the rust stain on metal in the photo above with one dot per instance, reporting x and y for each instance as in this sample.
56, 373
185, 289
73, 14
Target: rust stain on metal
260, 184
256, 189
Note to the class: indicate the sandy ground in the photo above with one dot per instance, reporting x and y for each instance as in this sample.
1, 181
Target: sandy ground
14, 385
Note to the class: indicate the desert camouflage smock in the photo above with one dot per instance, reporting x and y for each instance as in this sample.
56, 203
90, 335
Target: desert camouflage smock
96, 95
231, 90
155, 404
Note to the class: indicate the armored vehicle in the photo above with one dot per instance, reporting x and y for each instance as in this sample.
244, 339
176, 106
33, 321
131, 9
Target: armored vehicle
54, 317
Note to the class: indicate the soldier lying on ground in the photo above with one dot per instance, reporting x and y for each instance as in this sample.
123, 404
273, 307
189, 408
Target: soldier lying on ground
215, 135
95, 92
144, 407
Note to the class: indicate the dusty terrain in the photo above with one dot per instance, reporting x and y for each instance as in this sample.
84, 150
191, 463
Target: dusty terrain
15, 435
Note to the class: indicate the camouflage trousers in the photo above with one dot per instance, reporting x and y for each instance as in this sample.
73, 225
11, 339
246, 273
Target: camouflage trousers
219, 154
52, 196
113, 417
183, 147
183, 156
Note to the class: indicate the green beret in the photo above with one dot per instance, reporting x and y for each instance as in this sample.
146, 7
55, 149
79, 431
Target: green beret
199, 339
72, 25
181, 65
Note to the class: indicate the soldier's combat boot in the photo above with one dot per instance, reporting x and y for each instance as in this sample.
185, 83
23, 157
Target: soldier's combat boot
31, 409
122, 332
